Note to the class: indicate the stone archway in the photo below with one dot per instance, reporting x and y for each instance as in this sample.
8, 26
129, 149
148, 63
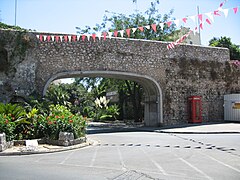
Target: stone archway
153, 110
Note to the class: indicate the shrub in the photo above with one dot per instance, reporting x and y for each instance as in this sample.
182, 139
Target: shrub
7, 126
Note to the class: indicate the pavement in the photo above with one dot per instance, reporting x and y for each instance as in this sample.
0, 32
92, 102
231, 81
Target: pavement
203, 128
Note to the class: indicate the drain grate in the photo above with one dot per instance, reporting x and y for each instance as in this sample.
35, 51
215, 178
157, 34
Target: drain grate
132, 175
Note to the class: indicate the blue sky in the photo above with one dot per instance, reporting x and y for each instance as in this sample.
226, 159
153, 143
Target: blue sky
64, 15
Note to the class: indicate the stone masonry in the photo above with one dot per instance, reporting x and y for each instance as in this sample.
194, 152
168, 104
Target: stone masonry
168, 77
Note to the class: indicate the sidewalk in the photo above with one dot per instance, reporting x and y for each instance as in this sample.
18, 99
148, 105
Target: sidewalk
204, 128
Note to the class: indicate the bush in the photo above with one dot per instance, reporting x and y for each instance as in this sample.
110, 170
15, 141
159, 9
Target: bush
19, 124
60, 120
7, 126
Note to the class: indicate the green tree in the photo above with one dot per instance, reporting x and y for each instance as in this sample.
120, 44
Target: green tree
131, 91
113, 21
227, 43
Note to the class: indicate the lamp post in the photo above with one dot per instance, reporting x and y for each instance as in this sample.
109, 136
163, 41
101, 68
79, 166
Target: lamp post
15, 12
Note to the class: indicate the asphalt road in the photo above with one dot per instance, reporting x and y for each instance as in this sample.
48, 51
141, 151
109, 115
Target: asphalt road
134, 155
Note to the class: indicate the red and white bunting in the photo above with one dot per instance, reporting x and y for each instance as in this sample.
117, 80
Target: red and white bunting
161, 25
169, 23
83, 37
235, 10
134, 30
121, 33
115, 33
208, 21
104, 35
128, 31
94, 37
176, 22
141, 28
110, 35
210, 16
184, 20
154, 27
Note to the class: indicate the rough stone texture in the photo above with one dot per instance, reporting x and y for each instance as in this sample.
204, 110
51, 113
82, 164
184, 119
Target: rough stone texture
3, 142
169, 77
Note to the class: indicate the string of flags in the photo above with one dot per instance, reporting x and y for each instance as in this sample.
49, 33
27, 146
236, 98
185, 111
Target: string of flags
205, 18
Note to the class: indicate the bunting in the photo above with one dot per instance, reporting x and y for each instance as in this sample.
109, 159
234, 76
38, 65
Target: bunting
205, 18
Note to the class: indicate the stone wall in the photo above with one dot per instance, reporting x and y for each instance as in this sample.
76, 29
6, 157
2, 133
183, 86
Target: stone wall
29, 65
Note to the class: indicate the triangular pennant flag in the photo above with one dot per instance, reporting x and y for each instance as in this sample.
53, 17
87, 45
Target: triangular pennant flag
154, 27
221, 4
210, 15
208, 21
83, 37
38, 36
176, 22
216, 13
53, 37
193, 18
69, 38
61, 38
115, 33
128, 31
201, 26
78, 38
147, 27
99, 35
133, 30
235, 10
44, 37
74, 37
225, 12
41, 38
184, 20
200, 17
195, 30
121, 32
65, 38
141, 28
94, 37
104, 35
161, 25
57, 38
88, 36
169, 23
110, 35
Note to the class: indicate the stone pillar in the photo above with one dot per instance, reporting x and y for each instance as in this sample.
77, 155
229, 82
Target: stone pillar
3, 142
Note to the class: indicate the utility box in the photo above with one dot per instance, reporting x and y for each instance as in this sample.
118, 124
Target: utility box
232, 107
195, 109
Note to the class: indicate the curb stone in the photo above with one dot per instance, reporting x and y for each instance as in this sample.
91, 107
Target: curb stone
61, 149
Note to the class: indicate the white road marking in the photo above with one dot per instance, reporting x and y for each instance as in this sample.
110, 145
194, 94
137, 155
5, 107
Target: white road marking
121, 160
195, 168
94, 156
220, 162
155, 163
68, 156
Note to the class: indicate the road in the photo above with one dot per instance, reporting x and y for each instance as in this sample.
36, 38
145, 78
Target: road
134, 155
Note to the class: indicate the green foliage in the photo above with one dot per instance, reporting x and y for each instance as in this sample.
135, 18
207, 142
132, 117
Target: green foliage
5, 26
7, 126
226, 42
61, 119
121, 22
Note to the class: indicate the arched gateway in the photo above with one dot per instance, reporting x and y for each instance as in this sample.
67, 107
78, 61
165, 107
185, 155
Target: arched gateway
168, 77
153, 94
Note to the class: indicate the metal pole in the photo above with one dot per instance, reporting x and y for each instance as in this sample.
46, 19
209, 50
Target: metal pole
199, 31
15, 12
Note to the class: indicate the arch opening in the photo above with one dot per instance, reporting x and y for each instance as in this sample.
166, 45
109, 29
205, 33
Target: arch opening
153, 94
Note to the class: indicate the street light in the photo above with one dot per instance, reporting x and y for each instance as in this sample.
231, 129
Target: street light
15, 12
